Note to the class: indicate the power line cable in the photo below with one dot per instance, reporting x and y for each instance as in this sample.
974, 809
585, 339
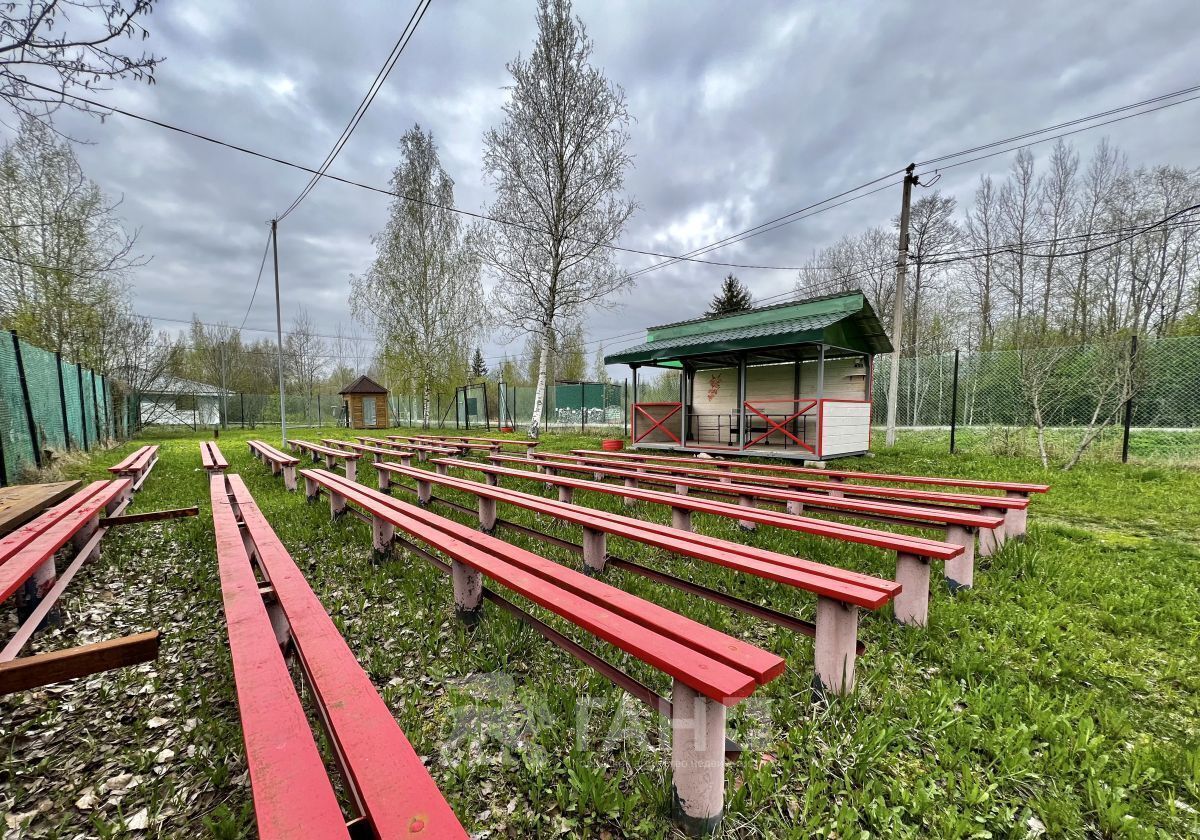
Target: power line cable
410, 28
254, 294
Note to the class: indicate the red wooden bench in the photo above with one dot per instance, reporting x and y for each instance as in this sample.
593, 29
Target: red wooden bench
211, 458
279, 462
423, 450
1007, 507
955, 524
456, 446
329, 454
29, 572
710, 670
1012, 489
137, 465
527, 445
273, 611
913, 554
839, 593
404, 456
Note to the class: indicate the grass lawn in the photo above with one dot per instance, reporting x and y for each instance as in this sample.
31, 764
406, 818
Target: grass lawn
1059, 698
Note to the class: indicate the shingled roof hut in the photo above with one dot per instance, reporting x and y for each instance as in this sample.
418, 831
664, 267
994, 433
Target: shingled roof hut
366, 404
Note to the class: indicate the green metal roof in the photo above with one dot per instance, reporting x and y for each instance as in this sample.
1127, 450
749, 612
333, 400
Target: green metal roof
844, 320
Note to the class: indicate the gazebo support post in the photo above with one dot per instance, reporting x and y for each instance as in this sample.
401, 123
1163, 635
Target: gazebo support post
741, 402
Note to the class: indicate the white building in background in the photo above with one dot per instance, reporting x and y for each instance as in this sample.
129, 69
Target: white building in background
170, 401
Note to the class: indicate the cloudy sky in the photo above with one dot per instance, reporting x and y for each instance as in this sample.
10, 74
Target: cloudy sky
744, 112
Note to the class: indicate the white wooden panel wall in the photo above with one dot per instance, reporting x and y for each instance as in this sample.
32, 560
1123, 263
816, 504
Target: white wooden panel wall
846, 427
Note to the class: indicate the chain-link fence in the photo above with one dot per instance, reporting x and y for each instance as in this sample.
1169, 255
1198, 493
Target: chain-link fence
566, 406
1083, 394
47, 406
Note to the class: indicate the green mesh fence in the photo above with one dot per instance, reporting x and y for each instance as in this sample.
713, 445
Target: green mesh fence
65, 416
70, 377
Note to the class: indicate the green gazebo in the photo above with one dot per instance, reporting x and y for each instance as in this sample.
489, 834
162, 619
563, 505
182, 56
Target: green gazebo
791, 380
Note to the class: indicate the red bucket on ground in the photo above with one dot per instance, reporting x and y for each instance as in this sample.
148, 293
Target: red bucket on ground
612, 445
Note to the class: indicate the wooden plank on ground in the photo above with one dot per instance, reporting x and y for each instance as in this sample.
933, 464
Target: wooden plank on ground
60, 665
22, 502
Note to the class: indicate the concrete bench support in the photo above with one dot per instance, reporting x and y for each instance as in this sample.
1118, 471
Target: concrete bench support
487, 515
681, 518
382, 533
468, 591
595, 551
912, 604
747, 502
960, 571
697, 760
837, 638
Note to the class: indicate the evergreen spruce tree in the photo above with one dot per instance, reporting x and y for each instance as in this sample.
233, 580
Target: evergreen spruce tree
478, 365
733, 297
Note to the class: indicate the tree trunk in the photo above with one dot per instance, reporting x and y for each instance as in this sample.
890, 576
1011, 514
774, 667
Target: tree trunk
539, 390
425, 405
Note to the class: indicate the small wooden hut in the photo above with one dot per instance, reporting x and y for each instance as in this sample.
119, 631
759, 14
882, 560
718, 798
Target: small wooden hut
366, 404
791, 380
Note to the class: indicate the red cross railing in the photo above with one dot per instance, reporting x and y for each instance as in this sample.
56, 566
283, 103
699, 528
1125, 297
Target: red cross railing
802, 408
656, 422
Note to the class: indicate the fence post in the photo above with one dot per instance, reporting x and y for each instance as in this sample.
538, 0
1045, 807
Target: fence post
625, 409
37, 448
582, 408
1129, 402
242, 403
95, 407
320, 416
954, 402
82, 410
62, 400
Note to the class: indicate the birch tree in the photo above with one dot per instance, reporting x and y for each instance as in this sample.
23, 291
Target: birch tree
557, 164
421, 295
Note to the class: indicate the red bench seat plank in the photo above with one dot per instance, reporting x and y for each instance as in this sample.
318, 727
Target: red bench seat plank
804, 524
135, 461
54, 532
924, 496
812, 577
321, 449
714, 664
293, 797
933, 481
14, 541
400, 798
272, 454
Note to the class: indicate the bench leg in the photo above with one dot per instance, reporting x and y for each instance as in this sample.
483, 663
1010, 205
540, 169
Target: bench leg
595, 551
681, 490
406, 461
312, 490
441, 469
990, 539
352, 469
337, 504
960, 571
746, 524
597, 476
837, 637
697, 760
795, 508
630, 484
487, 515
565, 494
468, 592
681, 518
912, 604
384, 482
835, 493
279, 622
424, 492
1016, 522
422, 455
492, 480
275, 468
289, 478
382, 533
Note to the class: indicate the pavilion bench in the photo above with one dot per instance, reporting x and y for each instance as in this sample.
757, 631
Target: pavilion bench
840, 593
137, 465
28, 571
329, 454
913, 554
1012, 489
709, 670
955, 525
992, 539
279, 462
525, 445
271, 610
211, 458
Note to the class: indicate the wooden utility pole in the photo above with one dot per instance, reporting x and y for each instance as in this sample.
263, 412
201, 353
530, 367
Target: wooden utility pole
898, 303
279, 333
